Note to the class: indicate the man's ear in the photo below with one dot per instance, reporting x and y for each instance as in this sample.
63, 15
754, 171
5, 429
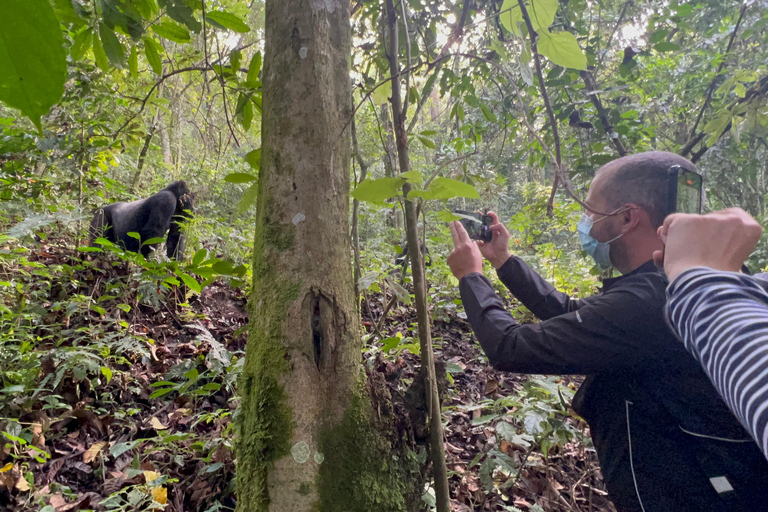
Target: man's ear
631, 217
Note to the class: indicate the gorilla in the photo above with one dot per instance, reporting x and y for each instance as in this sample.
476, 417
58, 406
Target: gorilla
150, 218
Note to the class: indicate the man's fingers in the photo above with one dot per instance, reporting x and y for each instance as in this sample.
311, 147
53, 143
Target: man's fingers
658, 258
461, 233
494, 217
454, 233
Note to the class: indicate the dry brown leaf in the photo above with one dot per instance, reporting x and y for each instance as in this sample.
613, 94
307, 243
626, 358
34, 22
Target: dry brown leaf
156, 424
58, 502
22, 484
91, 453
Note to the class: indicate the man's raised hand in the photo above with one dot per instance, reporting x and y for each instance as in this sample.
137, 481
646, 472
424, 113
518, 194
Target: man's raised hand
720, 240
465, 258
497, 250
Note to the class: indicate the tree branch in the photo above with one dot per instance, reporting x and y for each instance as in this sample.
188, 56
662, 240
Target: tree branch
589, 84
711, 88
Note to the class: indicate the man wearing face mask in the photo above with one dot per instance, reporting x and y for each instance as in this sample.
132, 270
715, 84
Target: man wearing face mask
665, 439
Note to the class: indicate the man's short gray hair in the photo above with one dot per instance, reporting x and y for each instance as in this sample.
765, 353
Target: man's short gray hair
642, 179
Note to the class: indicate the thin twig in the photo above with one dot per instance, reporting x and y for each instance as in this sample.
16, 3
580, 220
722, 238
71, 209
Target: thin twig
711, 88
613, 32
224, 96
408, 61
152, 90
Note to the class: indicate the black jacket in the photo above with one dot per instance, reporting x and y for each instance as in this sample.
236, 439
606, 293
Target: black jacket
664, 437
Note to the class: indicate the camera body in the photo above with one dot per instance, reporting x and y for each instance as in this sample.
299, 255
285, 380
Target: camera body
476, 224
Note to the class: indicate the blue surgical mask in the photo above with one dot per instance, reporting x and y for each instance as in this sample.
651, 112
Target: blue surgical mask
600, 251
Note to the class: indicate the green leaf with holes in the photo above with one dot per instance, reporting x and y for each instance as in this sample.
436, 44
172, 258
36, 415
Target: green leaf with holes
32, 57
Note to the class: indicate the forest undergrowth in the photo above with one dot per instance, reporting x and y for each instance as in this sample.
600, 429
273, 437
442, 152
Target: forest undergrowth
115, 402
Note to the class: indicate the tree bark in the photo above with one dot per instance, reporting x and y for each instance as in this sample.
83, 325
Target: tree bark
308, 438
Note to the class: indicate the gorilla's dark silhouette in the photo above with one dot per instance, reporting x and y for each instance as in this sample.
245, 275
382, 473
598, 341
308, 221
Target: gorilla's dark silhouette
150, 218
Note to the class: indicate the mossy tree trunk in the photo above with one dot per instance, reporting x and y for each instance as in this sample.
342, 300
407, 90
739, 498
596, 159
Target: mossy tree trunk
308, 440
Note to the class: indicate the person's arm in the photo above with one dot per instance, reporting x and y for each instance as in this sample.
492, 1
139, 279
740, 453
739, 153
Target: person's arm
535, 292
611, 332
722, 318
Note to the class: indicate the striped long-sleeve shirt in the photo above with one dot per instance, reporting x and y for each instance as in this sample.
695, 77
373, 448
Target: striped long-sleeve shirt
722, 318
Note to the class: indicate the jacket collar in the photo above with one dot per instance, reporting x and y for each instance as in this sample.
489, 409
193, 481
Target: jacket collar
648, 266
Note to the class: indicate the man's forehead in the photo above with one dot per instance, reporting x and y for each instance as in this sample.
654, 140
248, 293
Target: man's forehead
595, 193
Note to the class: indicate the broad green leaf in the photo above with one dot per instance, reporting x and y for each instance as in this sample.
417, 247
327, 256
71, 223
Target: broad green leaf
412, 176
190, 281
377, 191
254, 68
562, 49
428, 143
664, 46
133, 63
154, 240
81, 44
511, 16
228, 21
487, 114
107, 373
446, 188
33, 64
248, 199
382, 93
178, 10
112, 46
152, 51
542, 13
235, 57
658, 36
98, 54
147, 9
134, 235
240, 177
254, 159
247, 115
172, 32
199, 257
740, 90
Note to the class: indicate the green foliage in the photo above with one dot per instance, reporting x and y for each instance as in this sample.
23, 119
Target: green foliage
32, 57
228, 21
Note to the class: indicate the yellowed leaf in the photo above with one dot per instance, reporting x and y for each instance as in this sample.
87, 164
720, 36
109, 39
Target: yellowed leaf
6, 468
151, 475
91, 453
160, 494
156, 424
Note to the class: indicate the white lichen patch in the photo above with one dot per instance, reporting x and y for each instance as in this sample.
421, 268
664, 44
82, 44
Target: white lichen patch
299, 217
319, 457
303, 52
301, 452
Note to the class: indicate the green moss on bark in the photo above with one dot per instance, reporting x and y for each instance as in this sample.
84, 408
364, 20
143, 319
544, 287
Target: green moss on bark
266, 419
362, 470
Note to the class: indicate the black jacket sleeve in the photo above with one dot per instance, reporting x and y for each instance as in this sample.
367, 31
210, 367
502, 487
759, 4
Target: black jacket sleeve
612, 331
534, 292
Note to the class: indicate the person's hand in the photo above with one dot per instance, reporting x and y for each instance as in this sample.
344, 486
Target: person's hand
720, 240
465, 258
497, 250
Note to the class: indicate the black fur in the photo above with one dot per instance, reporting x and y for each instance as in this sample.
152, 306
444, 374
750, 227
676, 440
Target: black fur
150, 218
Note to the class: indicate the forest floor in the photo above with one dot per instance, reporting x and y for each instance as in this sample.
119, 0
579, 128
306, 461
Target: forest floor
142, 416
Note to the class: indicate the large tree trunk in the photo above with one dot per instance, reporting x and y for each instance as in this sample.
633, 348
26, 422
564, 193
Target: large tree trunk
308, 438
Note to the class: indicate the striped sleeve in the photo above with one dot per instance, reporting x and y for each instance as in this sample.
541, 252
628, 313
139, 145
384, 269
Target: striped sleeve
722, 317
